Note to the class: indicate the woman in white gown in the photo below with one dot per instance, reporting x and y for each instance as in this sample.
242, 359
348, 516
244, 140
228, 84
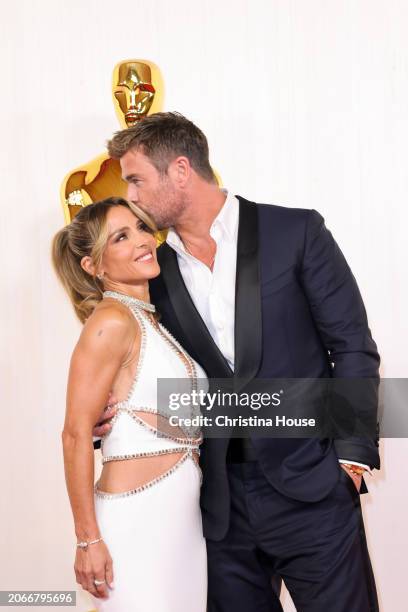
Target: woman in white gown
140, 545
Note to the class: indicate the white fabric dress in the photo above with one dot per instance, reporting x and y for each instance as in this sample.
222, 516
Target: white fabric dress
154, 532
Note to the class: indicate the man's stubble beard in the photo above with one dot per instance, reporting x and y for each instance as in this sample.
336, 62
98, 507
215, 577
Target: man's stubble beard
169, 206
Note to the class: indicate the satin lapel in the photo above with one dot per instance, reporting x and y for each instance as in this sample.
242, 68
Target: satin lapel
248, 313
209, 355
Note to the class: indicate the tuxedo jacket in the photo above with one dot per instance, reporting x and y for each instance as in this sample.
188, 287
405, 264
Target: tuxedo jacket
298, 310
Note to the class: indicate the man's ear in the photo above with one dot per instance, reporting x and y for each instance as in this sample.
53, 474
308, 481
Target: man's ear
180, 170
88, 265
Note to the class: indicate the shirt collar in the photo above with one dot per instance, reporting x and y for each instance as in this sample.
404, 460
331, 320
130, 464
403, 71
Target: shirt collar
227, 220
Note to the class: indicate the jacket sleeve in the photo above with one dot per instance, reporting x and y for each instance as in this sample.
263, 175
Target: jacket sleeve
340, 317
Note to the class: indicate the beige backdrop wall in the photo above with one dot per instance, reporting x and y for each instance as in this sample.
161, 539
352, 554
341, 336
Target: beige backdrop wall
304, 103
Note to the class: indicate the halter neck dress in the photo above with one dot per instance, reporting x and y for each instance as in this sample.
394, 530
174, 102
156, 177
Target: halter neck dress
154, 532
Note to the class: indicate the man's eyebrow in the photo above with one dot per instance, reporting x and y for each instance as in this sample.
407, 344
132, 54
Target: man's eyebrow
130, 177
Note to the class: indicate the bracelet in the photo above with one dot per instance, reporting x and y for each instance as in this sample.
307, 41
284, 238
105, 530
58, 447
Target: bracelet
355, 469
84, 545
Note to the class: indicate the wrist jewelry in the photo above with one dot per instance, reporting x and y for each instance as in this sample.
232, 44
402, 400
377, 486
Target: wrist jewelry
84, 545
355, 469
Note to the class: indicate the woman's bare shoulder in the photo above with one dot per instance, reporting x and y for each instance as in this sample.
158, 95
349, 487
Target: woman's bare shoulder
111, 326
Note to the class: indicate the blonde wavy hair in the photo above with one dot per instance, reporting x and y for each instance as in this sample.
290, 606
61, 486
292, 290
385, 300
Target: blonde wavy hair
87, 235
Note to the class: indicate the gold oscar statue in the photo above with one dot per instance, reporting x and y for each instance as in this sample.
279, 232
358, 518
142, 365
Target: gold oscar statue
137, 90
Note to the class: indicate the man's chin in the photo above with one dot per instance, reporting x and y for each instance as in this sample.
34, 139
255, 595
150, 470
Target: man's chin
163, 227
161, 223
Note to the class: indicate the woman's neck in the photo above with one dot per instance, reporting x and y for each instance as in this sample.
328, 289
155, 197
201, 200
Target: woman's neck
139, 291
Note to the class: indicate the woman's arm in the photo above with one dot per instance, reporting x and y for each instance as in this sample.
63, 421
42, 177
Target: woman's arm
104, 344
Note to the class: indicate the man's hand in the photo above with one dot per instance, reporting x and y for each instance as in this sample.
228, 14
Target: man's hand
104, 424
356, 478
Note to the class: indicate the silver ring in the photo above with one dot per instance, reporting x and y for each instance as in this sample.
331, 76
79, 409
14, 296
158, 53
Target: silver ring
99, 582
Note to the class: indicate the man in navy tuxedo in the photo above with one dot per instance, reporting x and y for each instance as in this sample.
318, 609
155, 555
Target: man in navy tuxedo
260, 291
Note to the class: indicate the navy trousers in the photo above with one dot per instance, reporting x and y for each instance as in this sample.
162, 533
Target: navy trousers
319, 549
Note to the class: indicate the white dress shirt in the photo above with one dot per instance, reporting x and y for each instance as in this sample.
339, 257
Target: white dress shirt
213, 293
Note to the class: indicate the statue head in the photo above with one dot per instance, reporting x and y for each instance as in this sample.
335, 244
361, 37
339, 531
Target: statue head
137, 88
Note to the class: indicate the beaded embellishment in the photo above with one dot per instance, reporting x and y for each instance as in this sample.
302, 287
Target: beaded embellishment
150, 483
188, 444
131, 411
152, 429
130, 301
162, 451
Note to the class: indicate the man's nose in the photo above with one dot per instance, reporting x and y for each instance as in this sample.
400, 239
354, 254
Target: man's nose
132, 193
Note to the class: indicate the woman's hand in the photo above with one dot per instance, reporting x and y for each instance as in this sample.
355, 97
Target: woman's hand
94, 563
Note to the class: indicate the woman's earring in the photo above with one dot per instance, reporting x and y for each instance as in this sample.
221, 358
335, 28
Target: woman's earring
100, 276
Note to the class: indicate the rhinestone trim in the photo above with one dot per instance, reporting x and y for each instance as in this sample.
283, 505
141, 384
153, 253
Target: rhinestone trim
178, 439
176, 347
137, 307
142, 352
126, 406
189, 442
163, 451
165, 415
130, 301
148, 485
139, 366
189, 445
